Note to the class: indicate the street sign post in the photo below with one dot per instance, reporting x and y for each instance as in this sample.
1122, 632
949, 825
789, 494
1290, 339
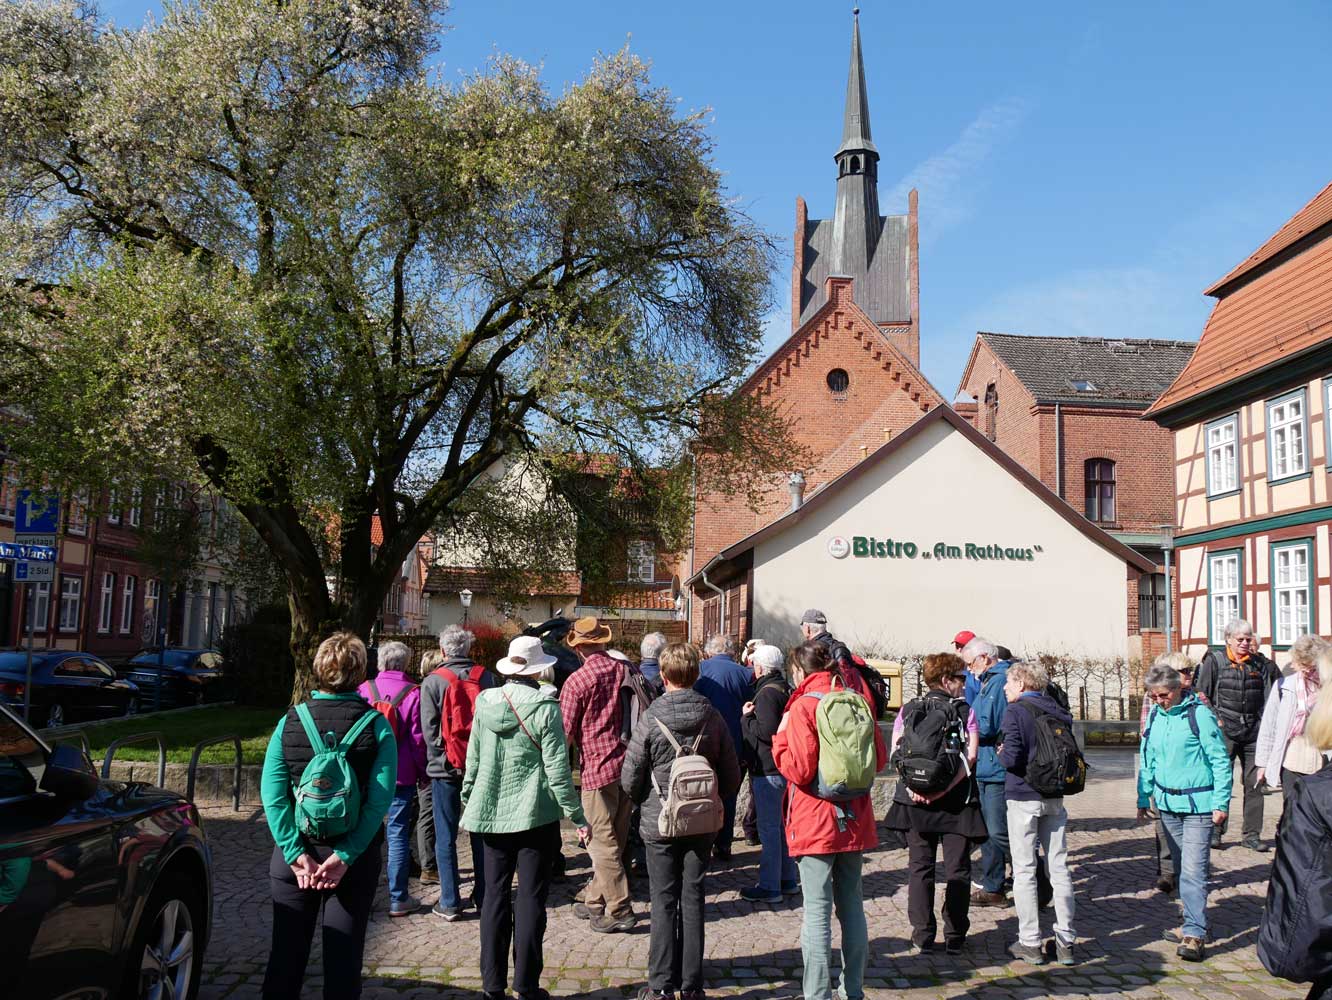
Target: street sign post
25, 556
36, 521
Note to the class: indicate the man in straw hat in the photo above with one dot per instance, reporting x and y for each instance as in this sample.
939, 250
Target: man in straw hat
590, 703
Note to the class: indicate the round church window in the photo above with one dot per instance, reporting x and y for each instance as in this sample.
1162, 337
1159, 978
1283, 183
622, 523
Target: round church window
838, 380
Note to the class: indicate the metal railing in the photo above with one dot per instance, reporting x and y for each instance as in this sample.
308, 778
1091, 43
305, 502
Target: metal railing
137, 738
194, 767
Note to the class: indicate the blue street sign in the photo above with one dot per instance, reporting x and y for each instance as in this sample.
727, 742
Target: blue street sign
35, 553
37, 514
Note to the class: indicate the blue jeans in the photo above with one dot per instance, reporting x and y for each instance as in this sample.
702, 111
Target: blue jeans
399, 836
994, 852
831, 881
776, 869
448, 813
1190, 838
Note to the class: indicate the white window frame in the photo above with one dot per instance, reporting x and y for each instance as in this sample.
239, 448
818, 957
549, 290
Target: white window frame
106, 607
1287, 436
71, 597
1222, 470
113, 511
39, 596
1292, 591
134, 516
152, 593
1225, 601
642, 558
127, 605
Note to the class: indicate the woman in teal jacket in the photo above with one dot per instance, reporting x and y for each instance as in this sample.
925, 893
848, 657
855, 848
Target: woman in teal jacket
516, 788
1185, 767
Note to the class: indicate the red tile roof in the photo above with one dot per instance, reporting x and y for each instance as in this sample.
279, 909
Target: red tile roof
1278, 314
376, 531
1317, 213
451, 579
628, 596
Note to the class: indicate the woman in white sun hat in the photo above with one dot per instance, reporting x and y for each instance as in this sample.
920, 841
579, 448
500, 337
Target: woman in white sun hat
516, 788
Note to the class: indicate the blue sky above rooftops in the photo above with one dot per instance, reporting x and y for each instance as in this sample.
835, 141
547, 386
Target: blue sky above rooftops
1083, 169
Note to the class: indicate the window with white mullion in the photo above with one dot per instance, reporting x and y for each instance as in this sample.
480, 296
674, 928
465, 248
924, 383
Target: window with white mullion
1223, 456
127, 607
1290, 592
1286, 438
1223, 592
108, 599
71, 593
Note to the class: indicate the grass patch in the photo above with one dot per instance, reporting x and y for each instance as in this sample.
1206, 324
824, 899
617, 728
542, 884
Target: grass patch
184, 731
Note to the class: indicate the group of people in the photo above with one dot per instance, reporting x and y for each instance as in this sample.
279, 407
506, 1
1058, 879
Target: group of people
665, 744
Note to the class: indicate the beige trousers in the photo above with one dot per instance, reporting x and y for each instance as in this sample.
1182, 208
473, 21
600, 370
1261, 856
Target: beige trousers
607, 812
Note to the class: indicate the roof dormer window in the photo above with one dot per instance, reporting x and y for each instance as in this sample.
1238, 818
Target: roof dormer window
1081, 385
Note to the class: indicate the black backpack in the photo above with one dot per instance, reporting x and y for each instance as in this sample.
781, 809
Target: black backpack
1059, 696
636, 694
877, 685
1057, 767
930, 751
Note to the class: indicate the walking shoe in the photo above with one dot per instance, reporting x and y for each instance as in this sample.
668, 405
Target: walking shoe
1166, 884
429, 876
407, 906
791, 889
648, 993
1216, 837
607, 924
1191, 950
1254, 844
584, 912
758, 894
955, 947
1176, 934
449, 913
752, 839
923, 947
983, 898
1026, 953
1060, 952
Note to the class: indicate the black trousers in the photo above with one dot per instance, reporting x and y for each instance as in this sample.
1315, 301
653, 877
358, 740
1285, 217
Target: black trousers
346, 912
521, 917
1246, 752
922, 849
425, 827
675, 880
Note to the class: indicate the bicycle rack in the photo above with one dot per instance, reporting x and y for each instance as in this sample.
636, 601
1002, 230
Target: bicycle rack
194, 768
137, 738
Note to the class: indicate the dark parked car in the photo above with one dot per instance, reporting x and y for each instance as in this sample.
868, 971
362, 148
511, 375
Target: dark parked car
105, 887
190, 677
66, 687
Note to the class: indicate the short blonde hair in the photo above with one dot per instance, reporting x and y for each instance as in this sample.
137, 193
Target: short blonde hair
1032, 676
431, 660
1177, 661
1319, 727
339, 663
679, 664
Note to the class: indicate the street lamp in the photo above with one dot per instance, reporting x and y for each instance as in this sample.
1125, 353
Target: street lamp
465, 596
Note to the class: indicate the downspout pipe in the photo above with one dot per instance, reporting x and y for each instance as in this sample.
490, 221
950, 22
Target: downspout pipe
1168, 550
1059, 451
721, 594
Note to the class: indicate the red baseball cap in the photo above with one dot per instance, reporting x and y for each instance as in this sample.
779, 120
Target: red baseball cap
963, 637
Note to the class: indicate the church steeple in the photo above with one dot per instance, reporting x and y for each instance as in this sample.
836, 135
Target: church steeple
856, 223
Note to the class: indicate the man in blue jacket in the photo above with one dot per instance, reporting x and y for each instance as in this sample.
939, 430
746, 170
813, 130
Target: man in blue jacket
728, 685
982, 660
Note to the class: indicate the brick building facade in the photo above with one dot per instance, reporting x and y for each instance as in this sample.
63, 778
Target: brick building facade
848, 377
1069, 411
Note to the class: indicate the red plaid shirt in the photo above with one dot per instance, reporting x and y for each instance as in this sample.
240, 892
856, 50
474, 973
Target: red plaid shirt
590, 704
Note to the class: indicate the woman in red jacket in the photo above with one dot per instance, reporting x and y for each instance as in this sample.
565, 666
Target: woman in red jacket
827, 839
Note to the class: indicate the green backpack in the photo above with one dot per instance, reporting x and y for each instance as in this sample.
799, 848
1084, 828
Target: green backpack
328, 796
845, 724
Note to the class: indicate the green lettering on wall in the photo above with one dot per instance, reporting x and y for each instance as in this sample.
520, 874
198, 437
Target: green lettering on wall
860, 546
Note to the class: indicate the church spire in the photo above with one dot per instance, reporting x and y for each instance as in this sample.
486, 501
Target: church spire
856, 223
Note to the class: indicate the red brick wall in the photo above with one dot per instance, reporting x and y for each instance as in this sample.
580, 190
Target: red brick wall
1017, 429
1143, 457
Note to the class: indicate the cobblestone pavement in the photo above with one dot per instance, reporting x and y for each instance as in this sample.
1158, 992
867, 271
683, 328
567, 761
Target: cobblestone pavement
753, 950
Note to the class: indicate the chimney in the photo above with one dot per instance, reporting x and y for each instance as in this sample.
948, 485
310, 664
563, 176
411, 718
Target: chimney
887, 434
864, 451
796, 484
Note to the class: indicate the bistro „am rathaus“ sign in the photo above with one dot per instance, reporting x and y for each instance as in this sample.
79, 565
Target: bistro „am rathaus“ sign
869, 547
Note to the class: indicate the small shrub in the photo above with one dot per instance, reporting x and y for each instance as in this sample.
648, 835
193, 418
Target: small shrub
489, 646
259, 663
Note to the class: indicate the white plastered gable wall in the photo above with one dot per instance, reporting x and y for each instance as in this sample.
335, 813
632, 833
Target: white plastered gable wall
940, 487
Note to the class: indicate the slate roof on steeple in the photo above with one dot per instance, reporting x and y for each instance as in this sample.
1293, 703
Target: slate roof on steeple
856, 118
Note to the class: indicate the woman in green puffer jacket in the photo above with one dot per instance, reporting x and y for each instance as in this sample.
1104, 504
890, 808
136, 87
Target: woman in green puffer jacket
515, 790
1183, 764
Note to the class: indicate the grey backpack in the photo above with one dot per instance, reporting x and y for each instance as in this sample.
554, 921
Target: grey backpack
691, 805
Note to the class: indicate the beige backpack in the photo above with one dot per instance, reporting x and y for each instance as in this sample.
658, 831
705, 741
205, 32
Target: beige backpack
691, 805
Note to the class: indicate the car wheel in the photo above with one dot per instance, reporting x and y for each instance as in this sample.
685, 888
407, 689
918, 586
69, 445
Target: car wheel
165, 963
55, 716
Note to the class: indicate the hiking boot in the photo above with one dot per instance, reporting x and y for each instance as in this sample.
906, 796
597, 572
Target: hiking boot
924, 947
406, 907
1191, 949
1026, 953
758, 894
982, 897
752, 839
607, 924
1166, 884
1216, 837
1057, 951
429, 876
584, 912
1254, 844
449, 913
955, 947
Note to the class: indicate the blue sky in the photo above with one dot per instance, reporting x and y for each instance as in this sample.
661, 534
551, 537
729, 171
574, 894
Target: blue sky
1083, 169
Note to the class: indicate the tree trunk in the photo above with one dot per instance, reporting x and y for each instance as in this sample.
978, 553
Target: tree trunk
313, 619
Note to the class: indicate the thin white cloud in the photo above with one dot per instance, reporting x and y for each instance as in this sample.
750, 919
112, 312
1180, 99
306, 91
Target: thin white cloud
947, 181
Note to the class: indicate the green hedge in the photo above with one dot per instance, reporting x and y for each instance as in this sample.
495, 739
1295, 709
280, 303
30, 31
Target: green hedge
260, 665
